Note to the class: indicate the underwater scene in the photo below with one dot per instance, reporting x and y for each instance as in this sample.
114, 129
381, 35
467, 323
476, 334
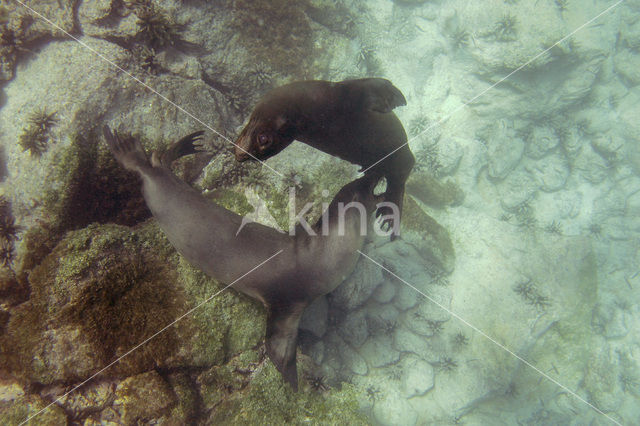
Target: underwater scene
384, 212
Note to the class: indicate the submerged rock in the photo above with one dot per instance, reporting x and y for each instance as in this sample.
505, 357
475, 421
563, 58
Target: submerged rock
394, 409
142, 398
358, 287
353, 328
504, 150
627, 64
433, 192
551, 173
105, 289
378, 351
430, 238
268, 397
417, 378
314, 317
18, 410
541, 140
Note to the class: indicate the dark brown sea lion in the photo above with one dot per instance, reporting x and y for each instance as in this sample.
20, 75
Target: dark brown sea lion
351, 119
205, 234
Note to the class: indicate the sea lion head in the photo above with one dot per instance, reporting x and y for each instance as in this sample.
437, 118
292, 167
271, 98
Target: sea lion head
264, 136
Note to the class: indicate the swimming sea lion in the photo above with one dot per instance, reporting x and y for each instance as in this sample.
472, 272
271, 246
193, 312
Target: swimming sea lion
205, 234
351, 119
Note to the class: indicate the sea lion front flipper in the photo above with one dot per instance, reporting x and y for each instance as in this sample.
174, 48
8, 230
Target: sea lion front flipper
184, 146
281, 338
379, 94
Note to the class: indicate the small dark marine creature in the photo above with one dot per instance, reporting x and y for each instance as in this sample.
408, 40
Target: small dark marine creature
43, 120
35, 137
351, 119
317, 382
157, 30
303, 267
8, 228
7, 252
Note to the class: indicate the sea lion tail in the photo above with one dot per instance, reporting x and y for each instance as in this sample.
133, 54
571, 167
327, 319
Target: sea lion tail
127, 150
281, 339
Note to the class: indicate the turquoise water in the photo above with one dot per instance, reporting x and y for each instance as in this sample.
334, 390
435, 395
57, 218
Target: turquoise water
510, 298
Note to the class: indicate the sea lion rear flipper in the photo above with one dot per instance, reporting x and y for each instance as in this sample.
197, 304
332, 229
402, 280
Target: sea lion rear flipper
184, 146
127, 150
379, 94
281, 338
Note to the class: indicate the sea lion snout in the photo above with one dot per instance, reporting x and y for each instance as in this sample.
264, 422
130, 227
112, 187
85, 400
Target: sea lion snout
243, 148
241, 155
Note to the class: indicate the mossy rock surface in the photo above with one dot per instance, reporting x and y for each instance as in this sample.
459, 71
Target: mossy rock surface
92, 187
107, 288
275, 32
16, 411
267, 399
430, 238
433, 192
142, 398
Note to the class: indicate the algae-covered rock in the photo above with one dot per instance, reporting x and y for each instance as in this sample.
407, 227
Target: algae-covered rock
433, 192
90, 294
89, 399
93, 188
250, 44
107, 288
142, 398
377, 351
268, 398
418, 376
187, 399
11, 290
228, 323
76, 181
430, 238
17, 411
21, 30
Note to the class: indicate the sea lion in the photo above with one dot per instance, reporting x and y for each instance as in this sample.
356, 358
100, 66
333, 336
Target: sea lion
351, 119
205, 234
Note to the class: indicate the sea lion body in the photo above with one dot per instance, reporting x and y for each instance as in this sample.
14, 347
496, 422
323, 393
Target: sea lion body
352, 120
205, 234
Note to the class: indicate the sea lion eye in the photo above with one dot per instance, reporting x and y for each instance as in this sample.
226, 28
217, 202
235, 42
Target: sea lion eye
263, 139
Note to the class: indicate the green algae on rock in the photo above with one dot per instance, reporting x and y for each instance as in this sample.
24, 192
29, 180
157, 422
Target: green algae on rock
268, 397
276, 32
433, 192
105, 289
92, 188
16, 411
430, 238
142, 398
